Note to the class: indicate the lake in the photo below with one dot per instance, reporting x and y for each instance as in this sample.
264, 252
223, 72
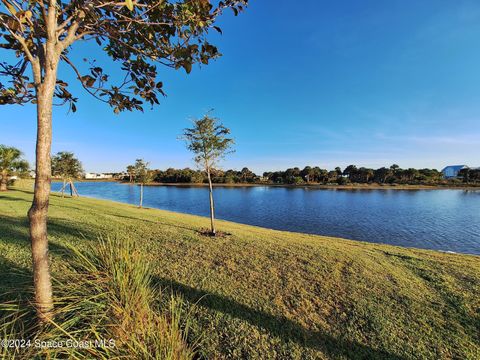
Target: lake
447, 220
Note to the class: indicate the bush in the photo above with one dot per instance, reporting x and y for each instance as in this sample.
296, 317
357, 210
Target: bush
298, 180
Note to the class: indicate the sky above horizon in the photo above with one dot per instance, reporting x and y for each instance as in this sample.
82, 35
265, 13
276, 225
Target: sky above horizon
325, 84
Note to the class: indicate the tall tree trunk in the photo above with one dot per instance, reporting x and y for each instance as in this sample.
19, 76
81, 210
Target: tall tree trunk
63, 188
71, 188
141, 195
39, 209
212, 207
4, 181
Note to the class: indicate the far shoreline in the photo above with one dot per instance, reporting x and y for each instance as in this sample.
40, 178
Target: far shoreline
374, 186
327, 187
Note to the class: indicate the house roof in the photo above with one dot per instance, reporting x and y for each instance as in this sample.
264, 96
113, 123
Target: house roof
455, 167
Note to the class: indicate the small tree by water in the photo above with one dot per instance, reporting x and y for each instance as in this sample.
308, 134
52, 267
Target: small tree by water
208, 140
67, 167
143, 175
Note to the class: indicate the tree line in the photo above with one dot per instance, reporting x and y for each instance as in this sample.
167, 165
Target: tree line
310, 175
197, 176
356, 175
470, 175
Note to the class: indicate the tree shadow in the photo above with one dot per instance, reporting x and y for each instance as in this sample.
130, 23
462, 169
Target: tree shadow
30, 192
278, 326
13, 198
14, 230
16, 281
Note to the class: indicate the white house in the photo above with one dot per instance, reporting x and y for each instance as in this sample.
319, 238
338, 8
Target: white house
452, 171
94, 176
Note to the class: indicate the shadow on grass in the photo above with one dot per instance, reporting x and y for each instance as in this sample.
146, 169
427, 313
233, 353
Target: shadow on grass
278, 326
30, 192
16, 282
15, 230
13, 199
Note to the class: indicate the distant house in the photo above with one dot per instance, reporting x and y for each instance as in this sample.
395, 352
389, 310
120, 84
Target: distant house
452, 171
93, 176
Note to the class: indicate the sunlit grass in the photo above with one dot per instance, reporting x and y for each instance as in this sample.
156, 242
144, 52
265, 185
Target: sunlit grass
259, 293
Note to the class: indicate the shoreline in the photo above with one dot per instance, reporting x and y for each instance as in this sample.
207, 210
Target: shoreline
325, 187
295, 186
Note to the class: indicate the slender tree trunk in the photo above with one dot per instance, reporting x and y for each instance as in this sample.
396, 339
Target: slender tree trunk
39, 209
63, 188
212, 207
141, 195
71, 188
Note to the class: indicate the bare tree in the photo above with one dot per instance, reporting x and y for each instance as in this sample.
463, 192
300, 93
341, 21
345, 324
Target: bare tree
138, 35
208, 140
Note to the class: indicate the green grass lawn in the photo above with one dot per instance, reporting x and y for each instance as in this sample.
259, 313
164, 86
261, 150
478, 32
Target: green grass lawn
265, 294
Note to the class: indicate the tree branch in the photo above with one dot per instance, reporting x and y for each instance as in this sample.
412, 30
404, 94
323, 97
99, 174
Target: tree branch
79, 76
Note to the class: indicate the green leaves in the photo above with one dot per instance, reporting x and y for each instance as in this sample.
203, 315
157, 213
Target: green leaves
208, 140
66, 165
140, 35
142, 172
11, 161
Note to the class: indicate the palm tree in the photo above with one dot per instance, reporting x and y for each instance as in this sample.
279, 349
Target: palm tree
11, 163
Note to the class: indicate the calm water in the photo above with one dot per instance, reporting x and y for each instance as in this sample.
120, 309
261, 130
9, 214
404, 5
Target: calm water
447, 220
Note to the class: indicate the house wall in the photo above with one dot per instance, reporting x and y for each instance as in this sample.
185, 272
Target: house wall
452, 171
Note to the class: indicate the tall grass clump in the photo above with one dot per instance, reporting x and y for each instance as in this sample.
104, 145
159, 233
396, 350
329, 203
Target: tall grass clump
106, 308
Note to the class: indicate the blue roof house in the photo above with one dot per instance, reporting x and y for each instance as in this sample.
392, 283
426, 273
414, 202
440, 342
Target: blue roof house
452, 171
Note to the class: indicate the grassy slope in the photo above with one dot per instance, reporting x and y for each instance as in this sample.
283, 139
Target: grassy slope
269, 294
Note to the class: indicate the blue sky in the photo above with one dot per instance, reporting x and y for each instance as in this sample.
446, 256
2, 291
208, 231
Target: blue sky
324, 83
